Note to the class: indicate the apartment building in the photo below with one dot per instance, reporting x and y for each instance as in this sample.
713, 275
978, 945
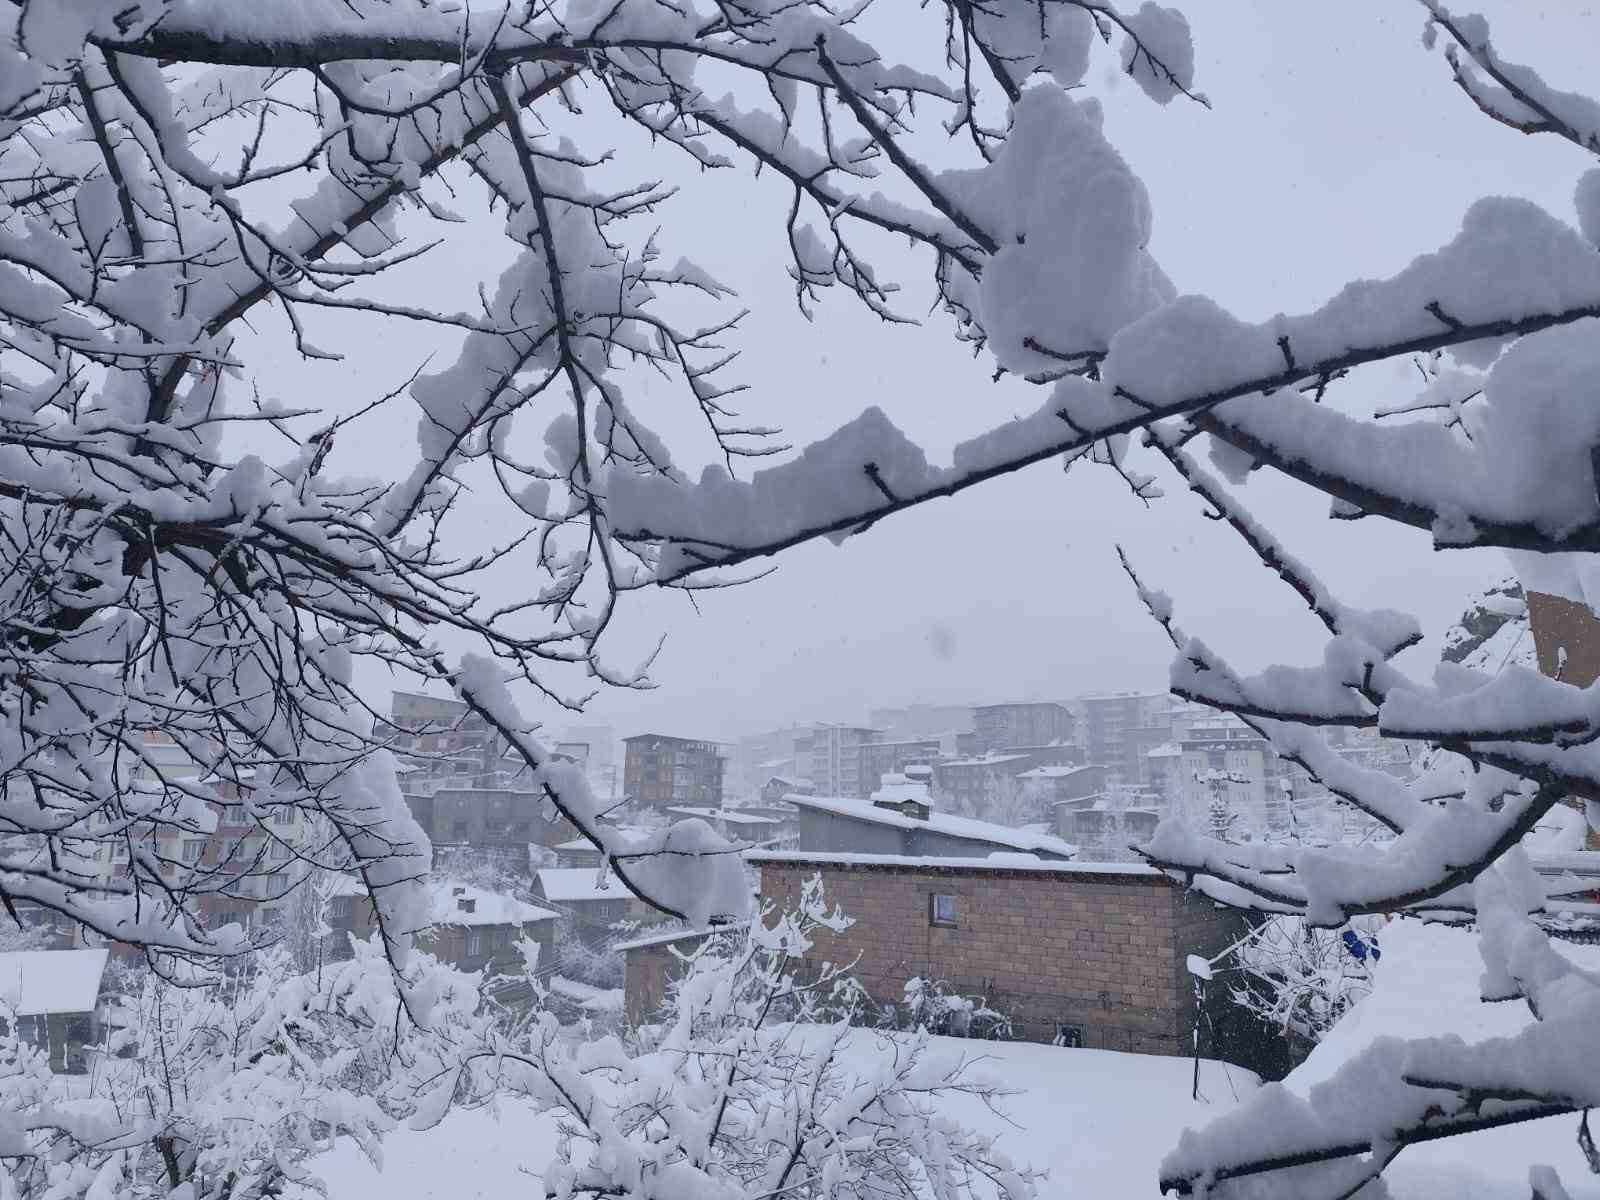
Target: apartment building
659, 770
834, 759
1120, 728
1004, 726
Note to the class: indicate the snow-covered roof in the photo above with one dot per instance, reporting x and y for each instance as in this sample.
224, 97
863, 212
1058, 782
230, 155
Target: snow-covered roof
568, 885
726, 816
994, 862
583, 843
986, 760
38, 982
1579, 862
938, 822
1165, 750
676, 935
488, 908
1058, 772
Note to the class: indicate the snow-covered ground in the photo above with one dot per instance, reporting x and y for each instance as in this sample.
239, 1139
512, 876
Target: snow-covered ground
1427, 984
1098, 1120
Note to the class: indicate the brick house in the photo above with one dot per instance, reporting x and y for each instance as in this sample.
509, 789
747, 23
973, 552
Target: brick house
1083, 954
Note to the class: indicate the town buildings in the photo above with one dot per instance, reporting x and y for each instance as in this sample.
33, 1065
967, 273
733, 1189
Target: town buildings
590, 906
833, 758
442, 743
970, 784
472, 928
506, 819
1119, 728
1057, 782
659, 770
1005, 726
1226, 763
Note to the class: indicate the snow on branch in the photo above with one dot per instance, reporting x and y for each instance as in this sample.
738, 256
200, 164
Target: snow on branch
1513, 271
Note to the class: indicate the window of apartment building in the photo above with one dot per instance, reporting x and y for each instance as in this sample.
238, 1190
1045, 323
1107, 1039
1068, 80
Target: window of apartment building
276, 883
283, 816
341, 907
474, 943
280, 850
943, 909
193, 848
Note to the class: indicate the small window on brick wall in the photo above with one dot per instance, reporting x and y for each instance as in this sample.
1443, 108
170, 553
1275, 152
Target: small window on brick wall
942, 909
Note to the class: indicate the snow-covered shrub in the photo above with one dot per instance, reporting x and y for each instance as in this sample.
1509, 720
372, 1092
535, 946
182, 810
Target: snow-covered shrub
753, 1083
231, 1089
1300, 979
598, 966
931, 1005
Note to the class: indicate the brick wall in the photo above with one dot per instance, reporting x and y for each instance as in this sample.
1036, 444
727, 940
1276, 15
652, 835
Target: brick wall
648, 969
1100, 953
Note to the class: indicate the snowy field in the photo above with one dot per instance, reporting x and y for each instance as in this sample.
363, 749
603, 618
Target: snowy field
1098, 1120
1426, 985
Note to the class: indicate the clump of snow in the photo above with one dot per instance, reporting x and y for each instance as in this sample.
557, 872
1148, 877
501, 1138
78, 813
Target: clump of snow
1072, 222
1158, 51
1586, 199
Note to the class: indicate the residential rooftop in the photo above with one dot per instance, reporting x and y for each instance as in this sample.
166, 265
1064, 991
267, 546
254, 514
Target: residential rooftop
38, 983
1002, 861
571, 885
938, 822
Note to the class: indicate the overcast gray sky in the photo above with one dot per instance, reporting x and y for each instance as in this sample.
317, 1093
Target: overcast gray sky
1336, 148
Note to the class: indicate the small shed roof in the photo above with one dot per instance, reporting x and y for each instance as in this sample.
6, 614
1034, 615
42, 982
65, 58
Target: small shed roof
488, 908
40, 982
571, 885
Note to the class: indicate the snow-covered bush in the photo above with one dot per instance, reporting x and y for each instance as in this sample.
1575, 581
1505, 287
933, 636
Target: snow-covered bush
752, 1083
187, 559
1300, 979
931, 1005
230, 1089
597, 966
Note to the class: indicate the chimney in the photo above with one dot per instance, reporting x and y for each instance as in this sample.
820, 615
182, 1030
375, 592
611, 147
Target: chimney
466, 905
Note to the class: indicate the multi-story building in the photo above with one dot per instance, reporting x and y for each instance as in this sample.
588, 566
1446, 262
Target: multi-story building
1120, 728
1226, 761
506, 818
658, 770
441, 743
834, 759
922, 721
1163, 772
1003, 726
